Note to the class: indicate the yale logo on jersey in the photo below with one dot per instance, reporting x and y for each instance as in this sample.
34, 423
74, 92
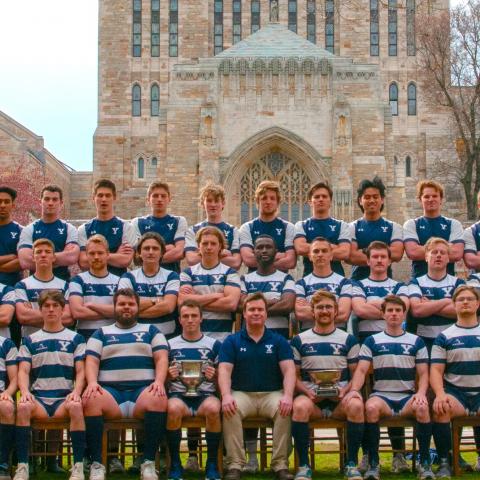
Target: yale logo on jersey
274, 286
115, 230
447, 290
384, 229
158, 289
14, 234
268, 348
444, 227
111, 288
170, 226
337, 348
203, 353
61, 230
64, 345
406, 348
279, 231
333, 227
138, 336
217, 278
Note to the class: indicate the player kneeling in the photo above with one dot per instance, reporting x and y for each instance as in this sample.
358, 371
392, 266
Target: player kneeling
325, 347
51, 379
397, 358
126, 368
192, 345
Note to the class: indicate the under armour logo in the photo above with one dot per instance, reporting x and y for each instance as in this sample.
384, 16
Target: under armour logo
217, 278
243, 349
422, 227
111, 288
61, 230
336, 348
274, 286
14, 234
360, 230
147, 227
255, 232
310, 229
203, 353
333, 227
93, 232
384, 229
170, 226
139, 336
115, 230
444, 227
38, 231
406, 348
268, 348
279, 231
63, 345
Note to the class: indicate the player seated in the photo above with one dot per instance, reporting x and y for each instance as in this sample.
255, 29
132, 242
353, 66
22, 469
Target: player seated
192, 344
51, 378
126, 367
326, 347
397, 358
8, 388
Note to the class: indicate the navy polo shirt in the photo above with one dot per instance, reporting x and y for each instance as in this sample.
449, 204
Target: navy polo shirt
256, 365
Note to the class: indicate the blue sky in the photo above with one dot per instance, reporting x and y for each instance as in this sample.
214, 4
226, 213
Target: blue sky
48, 76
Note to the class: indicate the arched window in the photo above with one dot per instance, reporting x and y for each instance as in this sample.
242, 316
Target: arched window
136, 100
330, 25
311, 21
173, 29
392, 28
154, 100
292, 15
237, 21
411, 27
154, 163
393, 98
141, 168
255, 16
408, 166
218, 26
412, 99
374, 30
155, 28
137, 28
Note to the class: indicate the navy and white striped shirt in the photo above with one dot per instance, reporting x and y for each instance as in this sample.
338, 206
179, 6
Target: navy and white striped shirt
335, 351
126, 355
52, 357
458, 348
8, 358
7, 297
206, 348
394, 362
212, 280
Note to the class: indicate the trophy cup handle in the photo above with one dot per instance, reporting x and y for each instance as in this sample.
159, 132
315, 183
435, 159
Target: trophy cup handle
176, 363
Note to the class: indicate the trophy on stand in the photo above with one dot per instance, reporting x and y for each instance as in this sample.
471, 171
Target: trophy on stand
326, 382
191, 375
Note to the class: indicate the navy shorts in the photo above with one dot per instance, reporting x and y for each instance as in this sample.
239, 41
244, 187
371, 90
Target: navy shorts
125, 399
192, 403
327, 406
395, 405
50, 409
471, 403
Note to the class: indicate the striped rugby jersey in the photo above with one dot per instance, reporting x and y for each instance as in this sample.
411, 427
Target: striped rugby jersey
7, 297
8, 357
394, 361
52, 357
126, 355
214, 280
164, 282
315, 351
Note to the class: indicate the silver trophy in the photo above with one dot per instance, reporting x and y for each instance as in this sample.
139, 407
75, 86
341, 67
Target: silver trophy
326, 382
191, 375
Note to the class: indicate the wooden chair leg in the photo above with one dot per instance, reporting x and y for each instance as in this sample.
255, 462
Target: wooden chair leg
263, 449
105, 448
456, 449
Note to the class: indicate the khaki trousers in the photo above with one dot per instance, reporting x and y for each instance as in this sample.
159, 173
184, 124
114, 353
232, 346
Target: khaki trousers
257, 404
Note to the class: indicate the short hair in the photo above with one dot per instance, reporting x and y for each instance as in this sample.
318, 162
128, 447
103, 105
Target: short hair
211, 231
265, 186
190, 304
378, 245
320, 295
376, 183
253, 297
98, 240
105, 183
43, 241
433, 241
54, 295
423, 184
469, 288
126, 292
216, 191
10, 191
155, 185
319, 185
393, 299
320, 239
151, 236
51, 187
265, 236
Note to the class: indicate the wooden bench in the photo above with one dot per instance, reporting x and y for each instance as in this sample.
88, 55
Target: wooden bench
457, 437
40, 445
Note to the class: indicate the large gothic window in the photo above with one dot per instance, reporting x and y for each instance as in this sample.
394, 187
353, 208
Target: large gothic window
393, 98
294, 185
136, 100
311, 21
237, 21
137, 29
154, 100
412, 99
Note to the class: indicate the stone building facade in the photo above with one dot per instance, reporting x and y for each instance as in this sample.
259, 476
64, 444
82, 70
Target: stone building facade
217, 90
